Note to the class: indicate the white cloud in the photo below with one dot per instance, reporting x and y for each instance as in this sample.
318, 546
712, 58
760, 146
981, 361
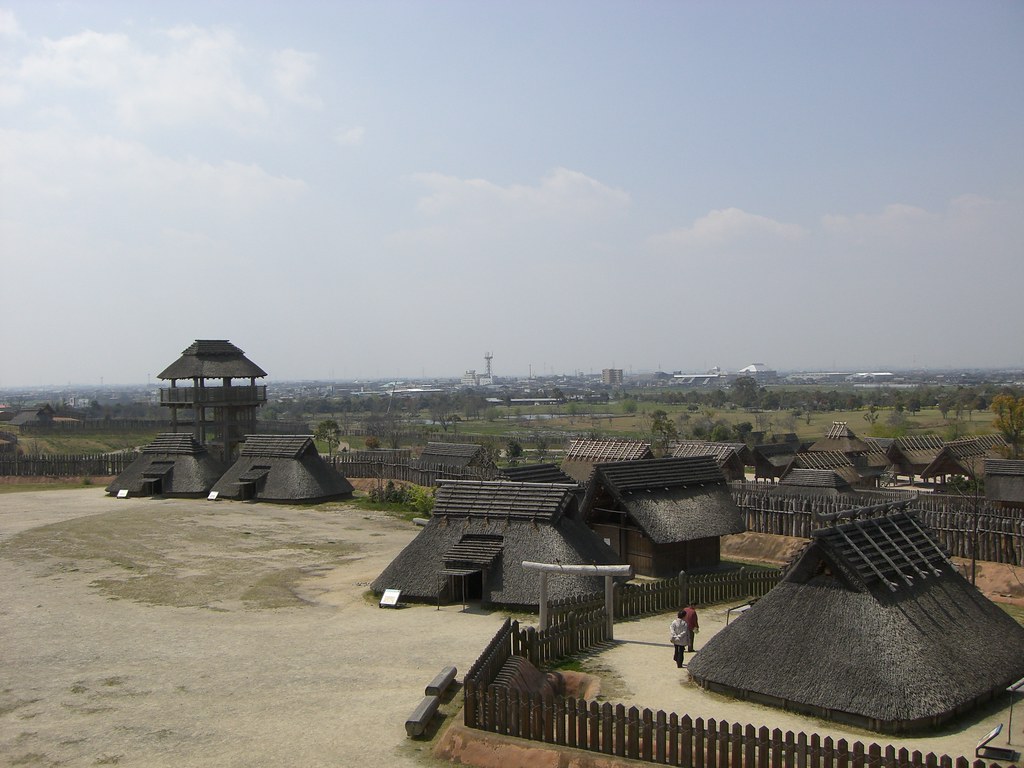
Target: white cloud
115, 188
563, 194
292, 73
351, 137
180, 77
9, 26
727, 228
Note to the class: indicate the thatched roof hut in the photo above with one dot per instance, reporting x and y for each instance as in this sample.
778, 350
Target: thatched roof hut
871, 625
582, 455
282, 468
732, 458
1004, 482
840, 437
172, 465
663, 515
455, 457
478, 536
535, 473
771, 460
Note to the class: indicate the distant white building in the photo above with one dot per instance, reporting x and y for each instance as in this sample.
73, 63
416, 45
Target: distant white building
758, 371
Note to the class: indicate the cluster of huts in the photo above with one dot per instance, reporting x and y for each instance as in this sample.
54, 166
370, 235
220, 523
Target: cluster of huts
870, 625
211, 451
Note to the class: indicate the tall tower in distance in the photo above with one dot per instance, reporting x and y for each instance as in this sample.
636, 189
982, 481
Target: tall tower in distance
218, 412
487, 379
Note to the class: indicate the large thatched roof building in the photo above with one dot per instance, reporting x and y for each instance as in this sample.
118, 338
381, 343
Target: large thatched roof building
663, 516
172, 465
478, 536
282, 468
871, 625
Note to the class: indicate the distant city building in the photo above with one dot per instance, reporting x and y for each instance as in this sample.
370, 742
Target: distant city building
612, 377
759, 372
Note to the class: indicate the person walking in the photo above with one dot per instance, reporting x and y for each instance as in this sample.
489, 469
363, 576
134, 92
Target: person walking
679, 634
690, 615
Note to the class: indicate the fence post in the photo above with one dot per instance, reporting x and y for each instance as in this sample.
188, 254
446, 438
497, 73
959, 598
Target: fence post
684, 589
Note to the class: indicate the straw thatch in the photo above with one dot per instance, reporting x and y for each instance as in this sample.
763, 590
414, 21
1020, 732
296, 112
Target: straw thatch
479, 534
583, 455
663, 515
453, 456
535, 473
172, 465
873, 626
282, 468
212, 359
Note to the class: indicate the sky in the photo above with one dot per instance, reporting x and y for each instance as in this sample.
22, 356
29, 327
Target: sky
352, 190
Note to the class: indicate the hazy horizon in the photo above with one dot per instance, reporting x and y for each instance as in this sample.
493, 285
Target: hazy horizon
365, 190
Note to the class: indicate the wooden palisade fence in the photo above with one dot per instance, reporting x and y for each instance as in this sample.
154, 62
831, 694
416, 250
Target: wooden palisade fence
65, 465
646, 598
643, 734
1000, 533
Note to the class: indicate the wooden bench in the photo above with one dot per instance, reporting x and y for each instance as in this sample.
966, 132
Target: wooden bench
995, 753
420, 718
440, 684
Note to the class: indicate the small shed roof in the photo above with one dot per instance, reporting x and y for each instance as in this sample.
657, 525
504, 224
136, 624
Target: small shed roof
536, 473
439, 454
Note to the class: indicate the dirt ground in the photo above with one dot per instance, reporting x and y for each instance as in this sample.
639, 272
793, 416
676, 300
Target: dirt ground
158, 632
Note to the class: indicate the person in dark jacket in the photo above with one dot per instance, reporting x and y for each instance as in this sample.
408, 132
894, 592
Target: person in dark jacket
689, 614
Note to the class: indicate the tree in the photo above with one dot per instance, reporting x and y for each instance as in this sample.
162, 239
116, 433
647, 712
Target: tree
328, 432
744, 391
663, 430
513, 450
1009, 420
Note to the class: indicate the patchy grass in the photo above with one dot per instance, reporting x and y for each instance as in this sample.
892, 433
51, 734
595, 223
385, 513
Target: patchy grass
182, 559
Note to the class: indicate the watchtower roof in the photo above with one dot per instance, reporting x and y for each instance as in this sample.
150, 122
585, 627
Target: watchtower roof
212, 359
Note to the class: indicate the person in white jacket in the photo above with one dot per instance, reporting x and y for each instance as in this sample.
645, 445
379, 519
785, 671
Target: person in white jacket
679, 634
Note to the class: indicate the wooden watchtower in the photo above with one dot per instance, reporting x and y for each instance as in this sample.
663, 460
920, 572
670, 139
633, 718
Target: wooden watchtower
219, 412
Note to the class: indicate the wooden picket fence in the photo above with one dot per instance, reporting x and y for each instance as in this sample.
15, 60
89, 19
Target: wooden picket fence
665, 595
643, 734
670, 739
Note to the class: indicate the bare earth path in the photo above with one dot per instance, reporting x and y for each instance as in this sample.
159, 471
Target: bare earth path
188, 633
